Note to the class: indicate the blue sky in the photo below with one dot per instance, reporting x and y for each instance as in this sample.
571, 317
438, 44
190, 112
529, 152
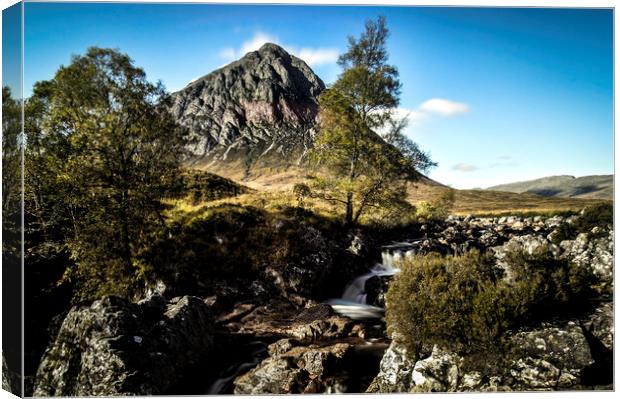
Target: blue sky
494, 94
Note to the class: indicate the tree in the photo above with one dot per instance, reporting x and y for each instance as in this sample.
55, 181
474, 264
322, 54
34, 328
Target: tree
11, 171
110, 152
366, 170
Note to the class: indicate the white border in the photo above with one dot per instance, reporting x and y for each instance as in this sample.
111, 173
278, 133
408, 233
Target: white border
469, 3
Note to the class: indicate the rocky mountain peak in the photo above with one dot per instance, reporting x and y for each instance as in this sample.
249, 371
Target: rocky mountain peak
259, 110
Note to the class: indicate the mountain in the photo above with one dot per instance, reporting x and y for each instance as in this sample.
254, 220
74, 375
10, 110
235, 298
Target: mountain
258, 111
599, 187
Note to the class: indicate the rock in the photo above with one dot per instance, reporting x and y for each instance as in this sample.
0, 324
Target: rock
530, 244
376, 287
601, 320
282, 319
263, 106
595, 253
531, 373
358, 245
296, 369
551, 356
394, 370
437, 373
114, 347
10, 380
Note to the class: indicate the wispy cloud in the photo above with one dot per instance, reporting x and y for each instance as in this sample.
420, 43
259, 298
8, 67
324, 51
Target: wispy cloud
439, 107
311, 55
444, 107
465, 167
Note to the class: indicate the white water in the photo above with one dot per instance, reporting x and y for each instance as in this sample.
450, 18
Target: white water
354, 298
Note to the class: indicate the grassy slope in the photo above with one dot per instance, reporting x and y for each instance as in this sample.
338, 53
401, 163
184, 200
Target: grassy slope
273, 188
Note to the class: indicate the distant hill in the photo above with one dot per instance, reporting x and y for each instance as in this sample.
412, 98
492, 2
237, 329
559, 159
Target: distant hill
592, 187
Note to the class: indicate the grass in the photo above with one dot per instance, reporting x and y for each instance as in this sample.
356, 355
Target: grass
499, 203
272, 190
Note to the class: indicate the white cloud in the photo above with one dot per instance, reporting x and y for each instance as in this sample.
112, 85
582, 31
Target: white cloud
312, 56
444, 107
434, 107
317, 56
465, 167
256, 42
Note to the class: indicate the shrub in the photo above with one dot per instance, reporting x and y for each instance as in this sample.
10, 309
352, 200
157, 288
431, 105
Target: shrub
600, 215
463, 303
438, 209
565, 231
434, 298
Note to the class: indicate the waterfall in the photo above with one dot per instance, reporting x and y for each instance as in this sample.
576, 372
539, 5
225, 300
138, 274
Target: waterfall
353, 301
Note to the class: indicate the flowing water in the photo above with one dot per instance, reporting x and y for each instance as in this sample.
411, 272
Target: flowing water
353, 302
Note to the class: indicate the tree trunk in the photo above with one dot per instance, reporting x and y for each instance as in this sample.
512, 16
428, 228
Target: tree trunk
348, 219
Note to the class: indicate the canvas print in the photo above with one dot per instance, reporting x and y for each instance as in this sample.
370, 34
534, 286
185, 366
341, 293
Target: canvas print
296, 198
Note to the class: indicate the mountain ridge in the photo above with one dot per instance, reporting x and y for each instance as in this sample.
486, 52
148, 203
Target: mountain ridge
565, 186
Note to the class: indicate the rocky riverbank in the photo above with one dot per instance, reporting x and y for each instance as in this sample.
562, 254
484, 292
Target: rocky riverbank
294, 343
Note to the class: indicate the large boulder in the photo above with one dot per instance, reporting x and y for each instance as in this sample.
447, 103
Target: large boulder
115, 347
293, 368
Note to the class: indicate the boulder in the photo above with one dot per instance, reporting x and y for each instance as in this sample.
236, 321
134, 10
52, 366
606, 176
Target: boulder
293, 368
594, 250
376, 287
394, 370
115, 347
530, 244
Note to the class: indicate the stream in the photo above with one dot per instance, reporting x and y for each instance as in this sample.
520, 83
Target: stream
352, 303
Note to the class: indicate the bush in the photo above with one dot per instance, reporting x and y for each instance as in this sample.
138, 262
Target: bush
438, 209
600, 215
463, 303
434, 300
200, 186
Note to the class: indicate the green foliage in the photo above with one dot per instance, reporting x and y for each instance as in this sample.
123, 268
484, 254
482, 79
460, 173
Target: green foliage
463, 303
200, 186
366, 171
103, 151
11, 173
436, 210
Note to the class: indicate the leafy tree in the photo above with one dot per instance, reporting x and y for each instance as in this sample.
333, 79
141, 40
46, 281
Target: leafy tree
11, 170
366, 170
104, 152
